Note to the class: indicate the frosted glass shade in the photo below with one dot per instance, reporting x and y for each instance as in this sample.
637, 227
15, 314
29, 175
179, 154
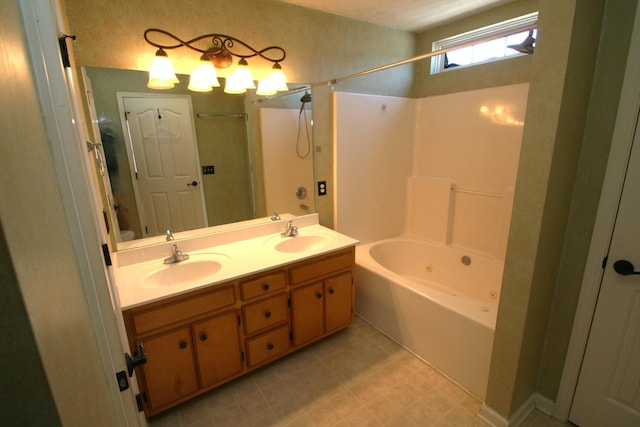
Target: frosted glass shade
244, 76
265, 88
232, 86
277, 79
204, 77
161, 75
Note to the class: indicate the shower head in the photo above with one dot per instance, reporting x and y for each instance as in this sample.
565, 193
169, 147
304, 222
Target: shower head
306, 97
526, 46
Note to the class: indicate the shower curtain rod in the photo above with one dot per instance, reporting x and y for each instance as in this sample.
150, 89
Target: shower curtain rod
426, 55
233, 116
280, 95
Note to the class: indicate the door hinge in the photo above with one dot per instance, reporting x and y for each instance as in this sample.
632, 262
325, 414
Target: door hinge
239, 321
139, 402
242, 356
64, 51
106, 255
123, 383
289, 302
291, 336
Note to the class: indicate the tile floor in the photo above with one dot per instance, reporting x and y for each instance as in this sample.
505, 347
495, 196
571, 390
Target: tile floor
357, 377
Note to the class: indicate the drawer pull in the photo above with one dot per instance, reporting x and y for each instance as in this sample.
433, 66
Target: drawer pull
319, 295
270, 346
203, 337
183, 345
332, 291
267, 314
265, 287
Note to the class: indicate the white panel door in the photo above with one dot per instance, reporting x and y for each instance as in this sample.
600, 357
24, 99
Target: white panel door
166, 164
608, 391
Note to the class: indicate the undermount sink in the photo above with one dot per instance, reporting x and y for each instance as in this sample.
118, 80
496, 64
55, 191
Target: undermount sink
198, 268
301, 243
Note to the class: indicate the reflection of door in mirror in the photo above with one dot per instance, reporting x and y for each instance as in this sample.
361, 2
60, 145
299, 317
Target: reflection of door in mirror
222, 145
163, 161
288, 160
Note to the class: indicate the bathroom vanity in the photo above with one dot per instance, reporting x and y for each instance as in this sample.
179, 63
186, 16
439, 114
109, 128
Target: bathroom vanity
233, 306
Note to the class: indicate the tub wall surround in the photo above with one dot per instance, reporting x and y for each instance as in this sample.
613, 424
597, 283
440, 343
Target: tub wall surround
443, 182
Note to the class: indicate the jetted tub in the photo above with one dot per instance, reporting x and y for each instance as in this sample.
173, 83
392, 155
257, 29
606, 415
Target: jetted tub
437, 301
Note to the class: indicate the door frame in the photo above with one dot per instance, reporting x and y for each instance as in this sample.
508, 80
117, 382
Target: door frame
59, 98
142, 214
622, 141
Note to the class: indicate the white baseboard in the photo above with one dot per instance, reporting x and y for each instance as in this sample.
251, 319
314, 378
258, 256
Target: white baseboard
535, 401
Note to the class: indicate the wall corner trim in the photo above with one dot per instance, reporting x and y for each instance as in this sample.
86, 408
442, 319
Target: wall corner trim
535, 401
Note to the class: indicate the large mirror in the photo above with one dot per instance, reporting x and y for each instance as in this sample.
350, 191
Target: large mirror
183, 160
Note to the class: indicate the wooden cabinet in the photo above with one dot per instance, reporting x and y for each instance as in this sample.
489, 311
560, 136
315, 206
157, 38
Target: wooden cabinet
326, 304
170, 372
218, 348
200, 340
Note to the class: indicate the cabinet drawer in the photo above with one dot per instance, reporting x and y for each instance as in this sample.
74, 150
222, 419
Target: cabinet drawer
322, 268
264, 314
262, 285
176, 311
268, 346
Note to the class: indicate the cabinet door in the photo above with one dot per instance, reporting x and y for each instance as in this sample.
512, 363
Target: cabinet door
170, 372
218, 348
307, 307
338, 301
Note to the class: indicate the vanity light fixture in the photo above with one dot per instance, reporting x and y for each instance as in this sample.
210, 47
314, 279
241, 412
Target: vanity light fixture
218, 56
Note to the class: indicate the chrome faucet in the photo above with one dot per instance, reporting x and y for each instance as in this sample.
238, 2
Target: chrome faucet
275, 216
169, 235
176, 256
290, 231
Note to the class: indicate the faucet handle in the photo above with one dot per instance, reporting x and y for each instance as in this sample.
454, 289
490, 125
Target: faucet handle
169, 236
275, 216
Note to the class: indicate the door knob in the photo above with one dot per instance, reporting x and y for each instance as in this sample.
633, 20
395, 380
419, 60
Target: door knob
193, 184
624, 268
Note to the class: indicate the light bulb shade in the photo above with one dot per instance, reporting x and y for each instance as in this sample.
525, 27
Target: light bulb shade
243, 75
277, 78
161, 74
265, 88
232, 86
204, 77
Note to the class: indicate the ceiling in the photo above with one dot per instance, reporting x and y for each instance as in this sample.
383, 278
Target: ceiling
408, 15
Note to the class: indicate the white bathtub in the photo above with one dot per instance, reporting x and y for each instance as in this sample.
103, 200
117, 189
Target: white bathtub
438, 302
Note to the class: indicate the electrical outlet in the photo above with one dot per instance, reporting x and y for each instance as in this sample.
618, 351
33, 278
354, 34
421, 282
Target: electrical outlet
322, 188
208, 170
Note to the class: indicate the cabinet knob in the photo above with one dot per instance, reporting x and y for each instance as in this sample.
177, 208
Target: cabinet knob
319, 295
183, 345
267, 314
332, 291
270, 346
265, 287
203, 337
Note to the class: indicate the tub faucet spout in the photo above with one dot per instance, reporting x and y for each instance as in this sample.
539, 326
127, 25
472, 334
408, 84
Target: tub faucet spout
176, 256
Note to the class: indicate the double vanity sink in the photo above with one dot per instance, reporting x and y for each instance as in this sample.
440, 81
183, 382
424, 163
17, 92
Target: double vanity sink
142, 277
243, 298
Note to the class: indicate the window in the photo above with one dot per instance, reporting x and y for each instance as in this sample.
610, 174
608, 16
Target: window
487, 49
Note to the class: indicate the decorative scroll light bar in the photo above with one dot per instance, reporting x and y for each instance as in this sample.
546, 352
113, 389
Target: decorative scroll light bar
219, 55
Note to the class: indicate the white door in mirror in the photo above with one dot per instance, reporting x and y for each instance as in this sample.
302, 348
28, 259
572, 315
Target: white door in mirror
164, 163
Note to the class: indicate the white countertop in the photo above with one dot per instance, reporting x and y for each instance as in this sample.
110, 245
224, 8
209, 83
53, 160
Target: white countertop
239, 253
